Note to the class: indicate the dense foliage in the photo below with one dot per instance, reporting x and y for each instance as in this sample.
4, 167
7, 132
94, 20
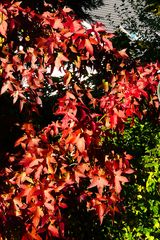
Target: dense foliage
140, 219
63, 155
79, 7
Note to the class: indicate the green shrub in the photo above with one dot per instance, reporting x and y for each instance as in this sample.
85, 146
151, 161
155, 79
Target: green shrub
141, 219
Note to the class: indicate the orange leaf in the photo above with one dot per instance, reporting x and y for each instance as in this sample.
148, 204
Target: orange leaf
34, 234
67, 78
123, 53
81, 144
15, 97
37, 214
78, 62
101, 211
3, 24
21, 105
73, 49
108, 43
4, 88
89, 46
20, 140
54, 231
60, 58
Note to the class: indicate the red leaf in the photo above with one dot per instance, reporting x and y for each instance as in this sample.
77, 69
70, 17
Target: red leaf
62, 205
15, 96
113, 120
30, 194
38, 172
26, 237
38, 101
18, 204
12, 24
118, 180
21, 105
108, 43
58, 23
79, 175
129, 171
99, 182
49, 206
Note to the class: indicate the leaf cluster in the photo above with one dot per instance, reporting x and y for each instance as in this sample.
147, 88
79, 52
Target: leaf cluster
63, 149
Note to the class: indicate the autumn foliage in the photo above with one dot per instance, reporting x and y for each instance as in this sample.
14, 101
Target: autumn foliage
69, 154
